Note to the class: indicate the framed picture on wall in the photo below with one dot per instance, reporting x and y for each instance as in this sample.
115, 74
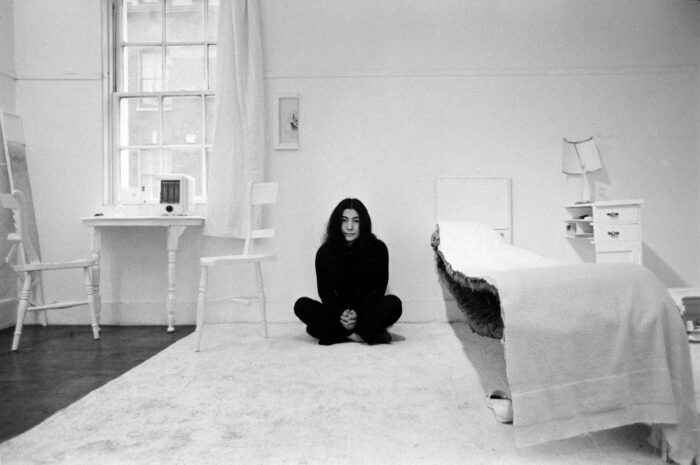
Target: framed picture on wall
286, 121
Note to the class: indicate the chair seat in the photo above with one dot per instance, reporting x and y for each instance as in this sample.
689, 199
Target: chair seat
223, 259
55, 265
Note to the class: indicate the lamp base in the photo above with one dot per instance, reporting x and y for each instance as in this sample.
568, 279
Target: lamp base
586, 196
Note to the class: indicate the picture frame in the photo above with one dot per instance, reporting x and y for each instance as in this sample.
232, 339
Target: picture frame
14, 174
286, 121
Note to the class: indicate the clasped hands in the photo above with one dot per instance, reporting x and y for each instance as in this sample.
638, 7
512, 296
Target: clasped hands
349, 319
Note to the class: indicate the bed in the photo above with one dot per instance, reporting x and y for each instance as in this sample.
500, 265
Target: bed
587, 347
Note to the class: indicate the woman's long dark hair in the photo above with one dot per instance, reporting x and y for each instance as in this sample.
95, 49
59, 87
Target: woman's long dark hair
334, 234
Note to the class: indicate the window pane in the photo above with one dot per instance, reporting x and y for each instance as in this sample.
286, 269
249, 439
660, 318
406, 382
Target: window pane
139, 121
138, 174
185, 67
143, 69
212, 67
129, 172
152, 162
185, 161
184, 20
209, 102
137, 168
143, 20
182, 124
213, 20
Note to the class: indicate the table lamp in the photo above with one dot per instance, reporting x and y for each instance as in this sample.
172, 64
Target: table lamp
581, 157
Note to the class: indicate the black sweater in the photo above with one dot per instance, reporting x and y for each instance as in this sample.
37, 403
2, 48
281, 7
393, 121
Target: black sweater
351, 278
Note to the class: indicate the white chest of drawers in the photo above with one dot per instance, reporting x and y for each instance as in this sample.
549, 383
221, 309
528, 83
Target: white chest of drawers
613, 227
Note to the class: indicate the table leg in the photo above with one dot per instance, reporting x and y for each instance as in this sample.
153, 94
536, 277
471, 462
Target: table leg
96, 254
174, 233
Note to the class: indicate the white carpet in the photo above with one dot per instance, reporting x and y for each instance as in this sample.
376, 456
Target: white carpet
285, 400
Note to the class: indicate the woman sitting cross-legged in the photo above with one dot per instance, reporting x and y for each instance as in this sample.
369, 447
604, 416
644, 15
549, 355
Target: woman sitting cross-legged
352, 272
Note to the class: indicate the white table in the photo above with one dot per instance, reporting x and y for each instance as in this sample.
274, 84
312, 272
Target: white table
175, 225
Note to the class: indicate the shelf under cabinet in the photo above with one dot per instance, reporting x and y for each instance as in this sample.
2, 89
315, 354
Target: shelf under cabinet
579, 228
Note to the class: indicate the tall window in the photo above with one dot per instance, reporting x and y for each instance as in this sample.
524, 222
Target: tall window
163, 99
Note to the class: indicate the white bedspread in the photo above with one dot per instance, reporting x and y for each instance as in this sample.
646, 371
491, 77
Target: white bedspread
478, 251
589, 347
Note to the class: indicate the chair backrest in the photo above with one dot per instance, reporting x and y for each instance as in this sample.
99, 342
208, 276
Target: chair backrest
259, 194
17, 203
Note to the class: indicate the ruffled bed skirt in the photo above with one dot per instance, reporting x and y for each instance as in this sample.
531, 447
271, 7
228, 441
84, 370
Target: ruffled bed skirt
475, 297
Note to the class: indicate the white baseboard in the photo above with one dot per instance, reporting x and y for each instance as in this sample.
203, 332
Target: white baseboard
153, 313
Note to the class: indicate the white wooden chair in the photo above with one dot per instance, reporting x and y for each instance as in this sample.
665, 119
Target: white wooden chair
28, 266
258, 194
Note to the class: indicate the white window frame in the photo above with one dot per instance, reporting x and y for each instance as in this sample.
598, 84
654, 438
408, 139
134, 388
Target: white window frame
112, 66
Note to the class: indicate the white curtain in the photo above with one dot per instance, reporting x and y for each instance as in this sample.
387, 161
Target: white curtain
238, 152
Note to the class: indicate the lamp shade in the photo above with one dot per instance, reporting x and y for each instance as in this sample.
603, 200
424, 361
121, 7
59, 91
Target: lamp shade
580, 157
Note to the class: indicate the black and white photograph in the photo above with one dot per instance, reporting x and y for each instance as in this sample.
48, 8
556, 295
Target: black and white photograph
334, 232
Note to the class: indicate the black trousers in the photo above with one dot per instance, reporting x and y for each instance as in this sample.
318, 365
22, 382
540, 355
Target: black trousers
323, 323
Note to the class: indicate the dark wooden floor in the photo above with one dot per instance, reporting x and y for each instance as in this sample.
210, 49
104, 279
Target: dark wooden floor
57, 365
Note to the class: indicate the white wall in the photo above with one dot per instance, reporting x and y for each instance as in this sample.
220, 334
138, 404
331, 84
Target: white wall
393, 95
7, 56
7, 101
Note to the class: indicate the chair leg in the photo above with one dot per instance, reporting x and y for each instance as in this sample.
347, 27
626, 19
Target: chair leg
201, 304
261, 294
38, 295
22, 309
90, 292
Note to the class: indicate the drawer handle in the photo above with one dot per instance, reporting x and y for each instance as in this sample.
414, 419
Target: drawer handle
613, 215
613, 233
